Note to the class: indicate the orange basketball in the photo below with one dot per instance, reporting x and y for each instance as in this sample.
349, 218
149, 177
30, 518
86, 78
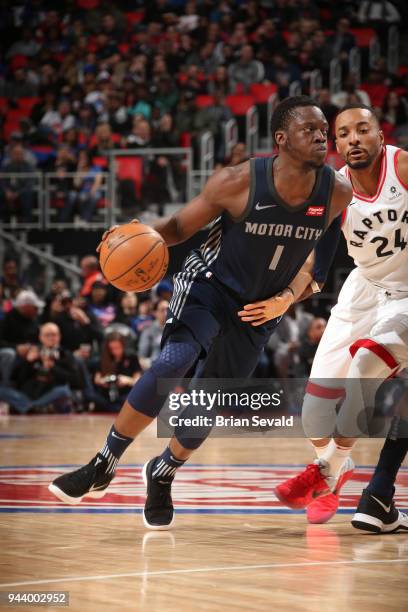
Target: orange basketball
134, 257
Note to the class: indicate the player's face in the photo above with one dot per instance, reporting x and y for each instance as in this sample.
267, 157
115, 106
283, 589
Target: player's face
305, 139
359, 139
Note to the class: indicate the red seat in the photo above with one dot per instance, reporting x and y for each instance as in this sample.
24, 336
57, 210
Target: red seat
101, 161
131, 168
203, 101
363, 36
402, 70
124, 48
262, 92
16, 114
10, 126
376, 91
28, 103
133, 18
239, 105
185, 139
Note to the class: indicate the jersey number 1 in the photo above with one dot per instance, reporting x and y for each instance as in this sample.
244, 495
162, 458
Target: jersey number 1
276, 257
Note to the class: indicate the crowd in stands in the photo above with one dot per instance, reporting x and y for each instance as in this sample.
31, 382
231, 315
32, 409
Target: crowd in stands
65, 352
81, 77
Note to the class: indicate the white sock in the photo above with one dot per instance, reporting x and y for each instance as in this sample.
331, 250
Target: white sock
335, 455
319, 450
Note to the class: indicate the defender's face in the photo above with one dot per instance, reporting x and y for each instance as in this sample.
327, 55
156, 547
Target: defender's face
306, 136
359, 139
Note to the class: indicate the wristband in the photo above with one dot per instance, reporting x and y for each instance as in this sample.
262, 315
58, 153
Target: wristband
292, 292
315, 286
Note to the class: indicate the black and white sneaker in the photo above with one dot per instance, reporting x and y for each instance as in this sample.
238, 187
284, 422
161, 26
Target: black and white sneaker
158, 512
375, 516
91, 480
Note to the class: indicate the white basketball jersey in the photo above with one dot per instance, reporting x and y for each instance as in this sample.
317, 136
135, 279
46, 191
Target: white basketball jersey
376, 228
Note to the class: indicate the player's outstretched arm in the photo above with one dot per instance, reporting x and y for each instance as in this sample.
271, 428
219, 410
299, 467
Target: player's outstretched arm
223, 191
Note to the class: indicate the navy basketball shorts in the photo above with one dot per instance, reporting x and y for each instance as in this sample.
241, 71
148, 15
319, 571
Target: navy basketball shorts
230, 348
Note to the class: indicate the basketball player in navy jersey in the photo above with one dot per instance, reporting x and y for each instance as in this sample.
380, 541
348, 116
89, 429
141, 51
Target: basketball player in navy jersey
267, 217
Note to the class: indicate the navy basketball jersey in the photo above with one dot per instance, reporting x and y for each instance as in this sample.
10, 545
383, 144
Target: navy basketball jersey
259, 254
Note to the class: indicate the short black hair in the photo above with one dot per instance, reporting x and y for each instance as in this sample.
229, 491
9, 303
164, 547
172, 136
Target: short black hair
358, 105
286, 111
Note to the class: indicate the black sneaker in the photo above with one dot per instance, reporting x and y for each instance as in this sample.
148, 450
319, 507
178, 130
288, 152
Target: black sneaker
90, 481
375, 516
158, 512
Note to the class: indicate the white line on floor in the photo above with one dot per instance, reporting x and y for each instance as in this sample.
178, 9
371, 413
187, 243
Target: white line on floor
227, 568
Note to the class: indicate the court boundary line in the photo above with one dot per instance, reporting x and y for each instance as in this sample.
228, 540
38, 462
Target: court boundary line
186, 511
226, 568
193, 465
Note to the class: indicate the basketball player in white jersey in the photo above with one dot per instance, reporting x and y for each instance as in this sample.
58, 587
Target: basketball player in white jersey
367, 334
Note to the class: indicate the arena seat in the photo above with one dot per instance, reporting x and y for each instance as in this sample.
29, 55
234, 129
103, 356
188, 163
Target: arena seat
203, 101
239, 105
363, 36
262, 92
131, 168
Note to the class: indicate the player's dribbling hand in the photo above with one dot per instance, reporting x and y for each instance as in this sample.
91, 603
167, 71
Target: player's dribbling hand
266, 310
109, 231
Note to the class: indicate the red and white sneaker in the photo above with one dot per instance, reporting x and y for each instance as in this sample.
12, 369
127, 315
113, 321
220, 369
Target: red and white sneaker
324, 508
301, 490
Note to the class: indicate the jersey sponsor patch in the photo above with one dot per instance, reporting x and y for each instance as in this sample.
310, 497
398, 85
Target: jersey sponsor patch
315, 211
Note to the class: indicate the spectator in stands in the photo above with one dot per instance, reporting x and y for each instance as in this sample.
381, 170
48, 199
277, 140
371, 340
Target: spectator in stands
322, 53
165, 95
115, 373
10, 280
116, 113
17, 197
77, 326
283, 73
246, 71
43, 377
87, 187
16, 138
329, 109
394, 111
268, 39
103, 140
145, 315
341, 98
284, 345
26, 45
100, 304
127, 309
150, 338
141, 106
308, 344
219, 81
19, 330
238, 155
62, 186
140, 135
90, 272
86, 121
213, 118
342, 41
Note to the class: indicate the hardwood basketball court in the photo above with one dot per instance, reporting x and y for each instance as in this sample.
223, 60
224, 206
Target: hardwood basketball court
233, 547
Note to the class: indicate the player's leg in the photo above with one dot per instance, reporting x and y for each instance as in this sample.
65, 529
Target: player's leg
376, 511
234, 354
318, 486
375, 358
180, 352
